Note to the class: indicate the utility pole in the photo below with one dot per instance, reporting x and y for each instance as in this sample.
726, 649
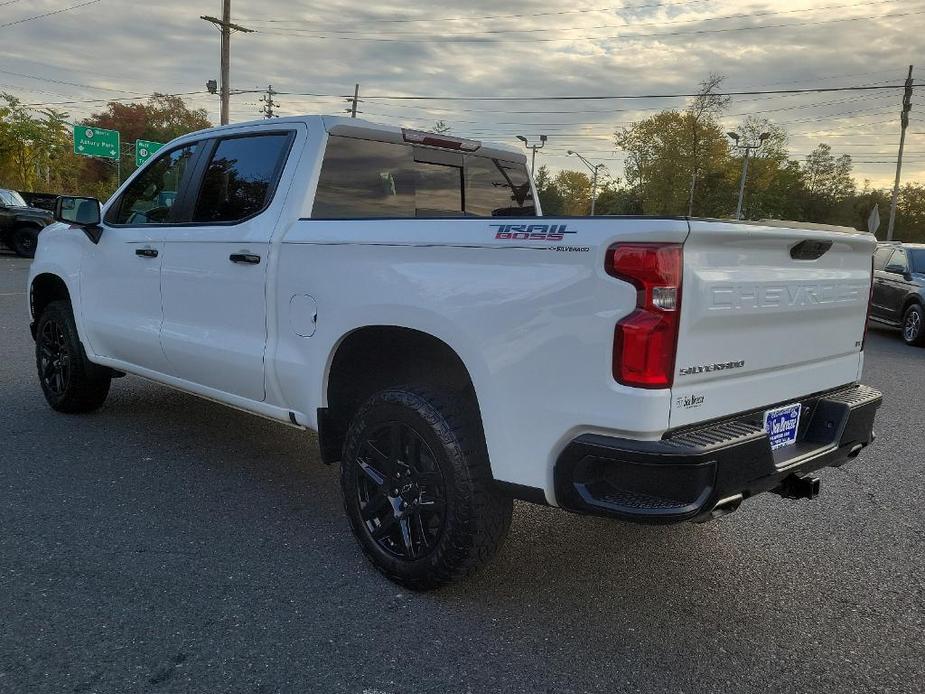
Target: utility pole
904, 121
542, 144
226, 26
268, 103
748, 149
354, 101
595, 168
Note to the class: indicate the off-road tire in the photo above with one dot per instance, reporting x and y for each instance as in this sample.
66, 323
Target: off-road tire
83, 386
24, 242
913, 327
477, 514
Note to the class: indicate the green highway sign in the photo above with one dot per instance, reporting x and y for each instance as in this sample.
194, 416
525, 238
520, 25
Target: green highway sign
144, 149
96, 142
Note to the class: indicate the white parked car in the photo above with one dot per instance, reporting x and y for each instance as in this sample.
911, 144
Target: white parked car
397, 292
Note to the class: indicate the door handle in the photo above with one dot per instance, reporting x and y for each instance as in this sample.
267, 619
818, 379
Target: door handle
146, 252
245, 258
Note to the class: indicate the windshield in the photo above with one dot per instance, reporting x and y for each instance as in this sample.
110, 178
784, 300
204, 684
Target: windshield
917, 259
17, 198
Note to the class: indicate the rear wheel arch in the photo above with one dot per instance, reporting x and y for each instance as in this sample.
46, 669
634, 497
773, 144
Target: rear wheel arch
372, 358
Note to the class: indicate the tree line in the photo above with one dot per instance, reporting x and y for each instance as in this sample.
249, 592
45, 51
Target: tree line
37, 146
682, 162
677, 162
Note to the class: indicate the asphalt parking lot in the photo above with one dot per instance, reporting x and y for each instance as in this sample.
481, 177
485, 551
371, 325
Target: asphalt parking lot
169, 544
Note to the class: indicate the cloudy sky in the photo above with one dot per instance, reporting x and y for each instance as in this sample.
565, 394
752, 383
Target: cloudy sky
105, 49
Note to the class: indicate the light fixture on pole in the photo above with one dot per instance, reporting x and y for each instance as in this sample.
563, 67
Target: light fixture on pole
748, 149
594, 168
527, 144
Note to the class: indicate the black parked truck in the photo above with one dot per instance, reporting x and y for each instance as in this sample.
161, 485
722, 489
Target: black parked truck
20, 224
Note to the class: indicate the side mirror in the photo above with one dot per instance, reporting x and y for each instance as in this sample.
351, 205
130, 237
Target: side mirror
81, 212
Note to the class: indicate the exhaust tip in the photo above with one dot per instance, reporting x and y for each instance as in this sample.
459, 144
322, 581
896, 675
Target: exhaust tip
726, 506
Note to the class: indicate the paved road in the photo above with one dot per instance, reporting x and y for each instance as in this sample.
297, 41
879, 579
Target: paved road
168, 544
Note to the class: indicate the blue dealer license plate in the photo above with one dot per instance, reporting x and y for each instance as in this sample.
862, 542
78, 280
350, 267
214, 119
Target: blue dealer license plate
782, 425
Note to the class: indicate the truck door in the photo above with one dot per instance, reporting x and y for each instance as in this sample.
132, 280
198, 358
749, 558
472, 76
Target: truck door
214, 274
120, 283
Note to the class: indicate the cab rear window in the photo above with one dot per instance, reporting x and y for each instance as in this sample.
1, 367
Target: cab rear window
364, 179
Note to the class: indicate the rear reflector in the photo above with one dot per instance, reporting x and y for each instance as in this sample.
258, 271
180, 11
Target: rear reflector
646, 341
419, 137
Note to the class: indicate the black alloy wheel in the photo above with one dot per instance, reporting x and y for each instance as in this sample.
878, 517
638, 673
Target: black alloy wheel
417, 486
402, 493
54, 358
70, 382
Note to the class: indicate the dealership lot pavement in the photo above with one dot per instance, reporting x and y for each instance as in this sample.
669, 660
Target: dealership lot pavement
168, 544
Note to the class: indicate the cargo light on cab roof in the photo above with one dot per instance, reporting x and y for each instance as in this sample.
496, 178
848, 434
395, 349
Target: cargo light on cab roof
419, 137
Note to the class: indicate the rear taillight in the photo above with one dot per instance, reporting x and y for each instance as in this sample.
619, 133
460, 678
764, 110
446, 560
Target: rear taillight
646, 341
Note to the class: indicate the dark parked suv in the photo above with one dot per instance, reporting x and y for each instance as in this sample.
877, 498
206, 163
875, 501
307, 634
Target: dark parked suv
20, 224
899, 289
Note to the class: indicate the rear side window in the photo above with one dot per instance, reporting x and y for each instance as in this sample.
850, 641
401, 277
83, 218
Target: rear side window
363, 179
360, 178
918, 260
496, 188
241, 177
881, 256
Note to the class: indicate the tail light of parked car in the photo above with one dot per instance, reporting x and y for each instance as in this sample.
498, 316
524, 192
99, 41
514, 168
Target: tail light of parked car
645, 342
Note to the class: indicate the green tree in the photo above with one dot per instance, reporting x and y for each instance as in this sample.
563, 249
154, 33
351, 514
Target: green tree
35, 150
551, 200
774, 185
910, 213
828, 184
660, 162
575, 189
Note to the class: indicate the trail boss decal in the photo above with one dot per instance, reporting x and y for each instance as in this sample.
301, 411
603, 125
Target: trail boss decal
531, 232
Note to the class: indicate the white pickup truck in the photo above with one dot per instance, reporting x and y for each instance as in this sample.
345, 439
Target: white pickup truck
396, 292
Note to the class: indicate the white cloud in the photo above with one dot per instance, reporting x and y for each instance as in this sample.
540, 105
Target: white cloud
141, 47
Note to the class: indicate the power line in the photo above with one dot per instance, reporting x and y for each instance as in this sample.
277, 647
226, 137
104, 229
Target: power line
613, 97
487, 32
699, 32
140, 97
623, 8
48, 14
71, 84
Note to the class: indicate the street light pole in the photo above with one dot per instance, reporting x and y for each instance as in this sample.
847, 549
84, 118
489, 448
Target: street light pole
542, 144
748, 150
594, 168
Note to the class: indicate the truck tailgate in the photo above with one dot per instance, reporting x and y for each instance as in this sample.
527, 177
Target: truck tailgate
768, 314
